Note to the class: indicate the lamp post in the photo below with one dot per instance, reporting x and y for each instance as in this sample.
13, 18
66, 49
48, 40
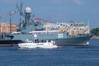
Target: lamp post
11, 13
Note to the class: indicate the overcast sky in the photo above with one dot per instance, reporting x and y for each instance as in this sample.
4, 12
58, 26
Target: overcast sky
57, 10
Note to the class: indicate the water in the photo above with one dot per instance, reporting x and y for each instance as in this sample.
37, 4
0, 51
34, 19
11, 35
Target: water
64, 56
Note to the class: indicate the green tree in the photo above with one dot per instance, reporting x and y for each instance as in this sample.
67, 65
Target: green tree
95, 31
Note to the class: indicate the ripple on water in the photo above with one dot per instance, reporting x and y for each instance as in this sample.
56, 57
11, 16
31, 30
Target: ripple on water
63, 56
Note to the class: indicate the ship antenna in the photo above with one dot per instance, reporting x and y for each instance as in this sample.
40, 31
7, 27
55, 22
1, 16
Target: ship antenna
20, 10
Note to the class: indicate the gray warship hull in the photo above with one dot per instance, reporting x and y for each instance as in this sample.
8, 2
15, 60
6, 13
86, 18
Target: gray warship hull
73, 41
60, 39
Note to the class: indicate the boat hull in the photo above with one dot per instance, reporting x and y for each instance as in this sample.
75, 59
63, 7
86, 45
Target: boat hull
37, 45
9, 43
73, 41
60, 39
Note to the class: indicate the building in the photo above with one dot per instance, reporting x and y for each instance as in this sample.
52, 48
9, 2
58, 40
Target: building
7, 28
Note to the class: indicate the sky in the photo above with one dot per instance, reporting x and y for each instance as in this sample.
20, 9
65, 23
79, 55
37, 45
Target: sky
56, 10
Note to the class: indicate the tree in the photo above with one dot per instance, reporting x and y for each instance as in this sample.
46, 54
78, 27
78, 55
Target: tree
95, 31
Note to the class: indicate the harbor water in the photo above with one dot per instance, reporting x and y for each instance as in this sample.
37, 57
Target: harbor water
62, 56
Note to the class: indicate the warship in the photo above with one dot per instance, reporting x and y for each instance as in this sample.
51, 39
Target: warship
35, 29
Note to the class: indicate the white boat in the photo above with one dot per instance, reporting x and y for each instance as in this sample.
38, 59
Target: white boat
37, 45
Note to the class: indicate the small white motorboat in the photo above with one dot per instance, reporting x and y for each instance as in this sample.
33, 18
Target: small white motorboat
37, 45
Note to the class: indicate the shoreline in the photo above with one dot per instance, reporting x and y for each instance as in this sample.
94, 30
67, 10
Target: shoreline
95, 37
